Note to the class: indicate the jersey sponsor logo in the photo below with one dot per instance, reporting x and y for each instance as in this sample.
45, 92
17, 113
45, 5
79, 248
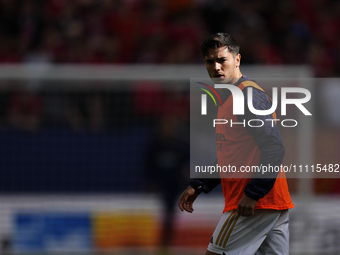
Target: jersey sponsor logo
220, 137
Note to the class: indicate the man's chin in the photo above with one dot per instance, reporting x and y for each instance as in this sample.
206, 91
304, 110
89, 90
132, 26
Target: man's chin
222, 80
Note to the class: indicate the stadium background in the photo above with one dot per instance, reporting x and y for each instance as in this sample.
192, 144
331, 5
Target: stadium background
94, 119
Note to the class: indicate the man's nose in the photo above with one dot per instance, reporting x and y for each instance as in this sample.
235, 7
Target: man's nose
217, 66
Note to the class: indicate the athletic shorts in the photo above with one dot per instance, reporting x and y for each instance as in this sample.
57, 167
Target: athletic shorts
266, 232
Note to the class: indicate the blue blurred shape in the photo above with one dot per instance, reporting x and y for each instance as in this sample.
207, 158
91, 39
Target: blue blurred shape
45, 232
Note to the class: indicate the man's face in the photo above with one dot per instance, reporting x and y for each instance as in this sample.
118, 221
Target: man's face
223, 66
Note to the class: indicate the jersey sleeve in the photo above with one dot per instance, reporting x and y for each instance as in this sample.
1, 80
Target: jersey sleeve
205, 184
269, 141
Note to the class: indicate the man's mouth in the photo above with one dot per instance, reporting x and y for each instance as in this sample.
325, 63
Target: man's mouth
218, 76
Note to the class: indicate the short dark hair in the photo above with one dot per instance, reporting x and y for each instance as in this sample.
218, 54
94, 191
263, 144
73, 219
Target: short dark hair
219, 40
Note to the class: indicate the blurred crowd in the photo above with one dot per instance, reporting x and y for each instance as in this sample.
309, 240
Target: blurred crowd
29, 109
170, 31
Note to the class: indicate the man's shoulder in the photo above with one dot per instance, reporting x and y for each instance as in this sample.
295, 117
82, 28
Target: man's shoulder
250, 83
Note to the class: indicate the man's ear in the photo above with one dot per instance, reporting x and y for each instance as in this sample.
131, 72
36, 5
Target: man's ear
238, 60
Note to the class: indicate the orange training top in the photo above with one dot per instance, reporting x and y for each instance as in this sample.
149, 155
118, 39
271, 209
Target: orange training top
238, 149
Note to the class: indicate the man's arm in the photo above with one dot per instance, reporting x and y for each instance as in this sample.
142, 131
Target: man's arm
201, 184
269, 141
196, 186
204, 185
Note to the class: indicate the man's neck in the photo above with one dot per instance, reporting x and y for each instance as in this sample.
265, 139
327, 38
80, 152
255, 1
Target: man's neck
233, 81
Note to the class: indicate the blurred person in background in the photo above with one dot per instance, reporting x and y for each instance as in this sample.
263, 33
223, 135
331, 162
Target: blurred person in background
25, 110
166, 170
96, 112
86, 111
